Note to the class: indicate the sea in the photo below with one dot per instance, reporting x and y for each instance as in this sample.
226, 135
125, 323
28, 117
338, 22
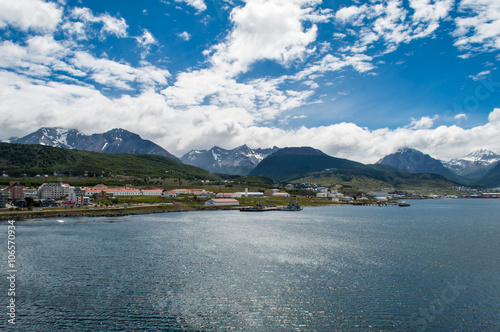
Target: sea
433, 266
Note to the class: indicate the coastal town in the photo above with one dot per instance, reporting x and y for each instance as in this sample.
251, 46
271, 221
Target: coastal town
48, 196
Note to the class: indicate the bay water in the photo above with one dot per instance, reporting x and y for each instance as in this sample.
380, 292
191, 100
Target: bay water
433, 266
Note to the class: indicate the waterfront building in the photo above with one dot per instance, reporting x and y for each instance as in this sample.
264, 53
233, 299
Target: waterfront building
76, 196
15, 191
54, 190
222, 202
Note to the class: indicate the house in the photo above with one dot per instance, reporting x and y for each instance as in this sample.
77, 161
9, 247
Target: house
169, 194
280, 195
380, 197
198, 192
322, 195
335, 194
222, 202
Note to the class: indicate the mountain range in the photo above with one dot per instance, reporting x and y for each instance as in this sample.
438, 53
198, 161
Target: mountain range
479, 167
112, 141
239, 161
306, 164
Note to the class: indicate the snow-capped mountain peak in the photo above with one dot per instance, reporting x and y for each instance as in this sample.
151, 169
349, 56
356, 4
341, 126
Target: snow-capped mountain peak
239, 161
475, 164
113, 141
482, 155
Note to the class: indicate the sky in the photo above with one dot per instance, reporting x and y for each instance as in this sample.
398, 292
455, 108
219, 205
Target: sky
355, 79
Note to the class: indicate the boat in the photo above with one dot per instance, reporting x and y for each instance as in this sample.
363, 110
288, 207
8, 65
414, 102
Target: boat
403, 203
292, 207
258, 208
262, 208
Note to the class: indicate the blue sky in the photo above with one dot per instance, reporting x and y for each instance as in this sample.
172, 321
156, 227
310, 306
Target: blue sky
356, 79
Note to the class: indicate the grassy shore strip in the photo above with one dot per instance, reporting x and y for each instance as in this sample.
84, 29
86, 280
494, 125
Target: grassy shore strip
109, 212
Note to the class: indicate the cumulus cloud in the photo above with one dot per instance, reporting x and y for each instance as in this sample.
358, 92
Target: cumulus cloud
424, 122
27, 15
204, 126
263, 30
270, 30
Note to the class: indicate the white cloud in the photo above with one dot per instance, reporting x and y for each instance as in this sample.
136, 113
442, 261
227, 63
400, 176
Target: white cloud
424, 122
270, 30
30, 14
109, 25
178, 130
198, 4
353, 14
481, 76
146, 41
389, 24
478, 29
461, 116
119, 75
428, 14
185, 35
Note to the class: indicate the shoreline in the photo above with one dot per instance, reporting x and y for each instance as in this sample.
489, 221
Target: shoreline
26, 215
121, 211
117, 212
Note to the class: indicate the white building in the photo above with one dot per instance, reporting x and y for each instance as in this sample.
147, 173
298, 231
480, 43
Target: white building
77, 196
54, 190
169, 194
152, 192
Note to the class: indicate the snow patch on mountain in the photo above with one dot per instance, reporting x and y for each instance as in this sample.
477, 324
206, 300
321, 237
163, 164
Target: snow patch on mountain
474, 165
238, 161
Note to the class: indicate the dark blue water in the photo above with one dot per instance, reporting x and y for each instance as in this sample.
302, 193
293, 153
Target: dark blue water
433, 266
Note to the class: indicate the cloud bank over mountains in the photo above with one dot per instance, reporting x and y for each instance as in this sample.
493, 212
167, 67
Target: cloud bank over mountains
54, 71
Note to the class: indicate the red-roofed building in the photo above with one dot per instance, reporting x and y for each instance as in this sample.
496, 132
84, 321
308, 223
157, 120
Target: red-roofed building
225, 195
280, 195
169, 194
183, 191
221, 202
152, 192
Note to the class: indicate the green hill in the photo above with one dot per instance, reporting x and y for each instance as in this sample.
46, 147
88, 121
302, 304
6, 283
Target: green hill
492, 179
17, 159
289, 162
306, 164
